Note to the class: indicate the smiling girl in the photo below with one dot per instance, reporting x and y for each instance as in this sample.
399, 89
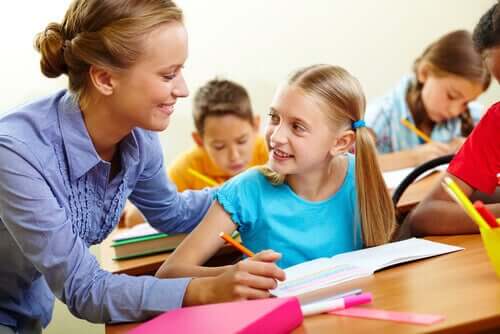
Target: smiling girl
313, 199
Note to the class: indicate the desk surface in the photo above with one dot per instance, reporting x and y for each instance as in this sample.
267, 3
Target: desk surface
418, 190
462, 286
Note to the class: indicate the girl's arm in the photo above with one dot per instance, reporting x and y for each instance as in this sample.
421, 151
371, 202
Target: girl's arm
413, 157
438, 214
199, 246
248, 279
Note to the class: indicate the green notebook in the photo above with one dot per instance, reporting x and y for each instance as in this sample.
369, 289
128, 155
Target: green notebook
146, 245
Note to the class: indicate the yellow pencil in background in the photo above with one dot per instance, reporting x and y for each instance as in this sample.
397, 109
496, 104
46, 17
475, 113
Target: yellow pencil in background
415, 130
458, 195
206, 179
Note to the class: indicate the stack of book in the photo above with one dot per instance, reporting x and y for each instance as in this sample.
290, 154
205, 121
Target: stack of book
143, 240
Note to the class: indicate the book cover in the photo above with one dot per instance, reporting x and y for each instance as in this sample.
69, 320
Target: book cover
146, 245
273, 315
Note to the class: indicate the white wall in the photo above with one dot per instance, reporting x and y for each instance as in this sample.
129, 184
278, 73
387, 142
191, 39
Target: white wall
258, 43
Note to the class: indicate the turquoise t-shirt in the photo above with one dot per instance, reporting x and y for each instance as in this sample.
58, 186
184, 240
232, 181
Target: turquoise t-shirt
274, 217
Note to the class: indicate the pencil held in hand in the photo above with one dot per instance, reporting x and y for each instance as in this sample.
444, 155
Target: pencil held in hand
415, 130
236, 244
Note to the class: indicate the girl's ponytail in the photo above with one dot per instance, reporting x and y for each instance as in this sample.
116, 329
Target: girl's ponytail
374, 202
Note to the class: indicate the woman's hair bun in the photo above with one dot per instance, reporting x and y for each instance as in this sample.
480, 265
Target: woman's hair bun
50, 43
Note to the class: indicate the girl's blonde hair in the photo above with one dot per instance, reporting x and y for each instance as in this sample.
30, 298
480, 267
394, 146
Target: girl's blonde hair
106, 33
345, 101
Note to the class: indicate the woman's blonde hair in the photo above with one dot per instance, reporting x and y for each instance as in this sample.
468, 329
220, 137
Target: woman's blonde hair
345, 101
106, 33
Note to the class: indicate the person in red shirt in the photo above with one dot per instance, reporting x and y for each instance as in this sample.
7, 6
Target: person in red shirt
476, 166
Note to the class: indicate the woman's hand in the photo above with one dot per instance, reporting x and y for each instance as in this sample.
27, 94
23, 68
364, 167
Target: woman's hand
248, 279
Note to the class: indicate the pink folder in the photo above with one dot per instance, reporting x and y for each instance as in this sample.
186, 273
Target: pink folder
273, 315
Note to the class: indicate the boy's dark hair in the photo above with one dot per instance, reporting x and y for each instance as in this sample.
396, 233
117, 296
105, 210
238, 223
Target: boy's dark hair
486, 34
220, 97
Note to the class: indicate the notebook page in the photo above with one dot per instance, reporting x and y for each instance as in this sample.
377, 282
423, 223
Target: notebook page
376, 258
394, 178
321, 273
316, 274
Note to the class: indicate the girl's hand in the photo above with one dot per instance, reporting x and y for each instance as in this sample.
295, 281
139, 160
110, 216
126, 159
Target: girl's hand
248, 279
431, 150
456, 143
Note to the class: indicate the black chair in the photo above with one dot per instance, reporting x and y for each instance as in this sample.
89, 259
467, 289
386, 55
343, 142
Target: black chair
428, 165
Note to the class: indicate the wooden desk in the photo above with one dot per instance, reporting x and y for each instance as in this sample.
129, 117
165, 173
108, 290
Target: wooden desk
416, 192
461, 286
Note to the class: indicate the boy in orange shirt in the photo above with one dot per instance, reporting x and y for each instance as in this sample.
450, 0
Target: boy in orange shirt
227, 137
227, 141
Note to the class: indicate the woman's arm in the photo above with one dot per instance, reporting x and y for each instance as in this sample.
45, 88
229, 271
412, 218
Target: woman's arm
44, 233
157, 198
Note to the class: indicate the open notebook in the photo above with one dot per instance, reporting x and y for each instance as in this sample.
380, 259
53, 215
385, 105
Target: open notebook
325, 272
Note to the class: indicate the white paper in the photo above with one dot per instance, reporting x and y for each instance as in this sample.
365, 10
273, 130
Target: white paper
394, 178
324, 272
139, 230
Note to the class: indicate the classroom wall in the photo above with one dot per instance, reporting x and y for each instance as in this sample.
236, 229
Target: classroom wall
256, 43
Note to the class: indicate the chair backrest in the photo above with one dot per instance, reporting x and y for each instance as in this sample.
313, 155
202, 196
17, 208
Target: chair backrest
419, 170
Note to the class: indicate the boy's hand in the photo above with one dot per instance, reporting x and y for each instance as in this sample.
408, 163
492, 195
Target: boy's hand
248, 279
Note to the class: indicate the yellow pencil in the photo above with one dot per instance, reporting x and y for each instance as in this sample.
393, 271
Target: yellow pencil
415, 130
457, 194
236, 244
206, 179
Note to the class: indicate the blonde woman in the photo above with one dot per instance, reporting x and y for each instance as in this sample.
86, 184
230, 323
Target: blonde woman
70, 160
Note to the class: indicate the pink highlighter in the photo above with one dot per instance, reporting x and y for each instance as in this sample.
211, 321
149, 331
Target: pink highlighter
336, 304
